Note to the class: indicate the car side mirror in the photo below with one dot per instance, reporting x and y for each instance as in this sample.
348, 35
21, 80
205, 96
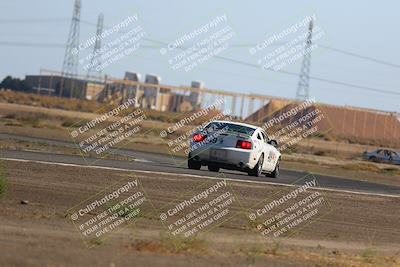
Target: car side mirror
273, 143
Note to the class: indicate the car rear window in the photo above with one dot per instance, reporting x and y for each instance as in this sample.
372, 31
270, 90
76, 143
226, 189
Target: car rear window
229, 127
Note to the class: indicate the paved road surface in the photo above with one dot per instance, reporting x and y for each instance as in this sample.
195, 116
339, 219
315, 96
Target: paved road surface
164, 163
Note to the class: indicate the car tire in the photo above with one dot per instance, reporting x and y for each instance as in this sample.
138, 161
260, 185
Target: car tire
194, 165
275, 173
374, 159
257, 170
213, 168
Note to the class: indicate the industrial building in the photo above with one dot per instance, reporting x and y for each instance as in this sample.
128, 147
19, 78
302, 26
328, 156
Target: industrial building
57, 85
152, 95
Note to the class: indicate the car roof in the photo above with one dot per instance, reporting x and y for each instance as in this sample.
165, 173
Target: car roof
239, 123
386, 149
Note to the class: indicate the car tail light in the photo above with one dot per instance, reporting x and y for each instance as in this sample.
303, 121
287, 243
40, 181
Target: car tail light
243, 144
199, 137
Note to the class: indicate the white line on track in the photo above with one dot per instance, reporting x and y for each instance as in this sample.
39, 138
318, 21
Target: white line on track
197, 176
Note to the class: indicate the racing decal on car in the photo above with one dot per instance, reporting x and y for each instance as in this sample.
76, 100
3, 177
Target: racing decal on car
271, 156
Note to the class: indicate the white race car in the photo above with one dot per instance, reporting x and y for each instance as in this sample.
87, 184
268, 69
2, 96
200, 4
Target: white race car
234, 146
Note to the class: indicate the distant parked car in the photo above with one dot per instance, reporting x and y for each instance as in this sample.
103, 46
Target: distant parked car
383, 155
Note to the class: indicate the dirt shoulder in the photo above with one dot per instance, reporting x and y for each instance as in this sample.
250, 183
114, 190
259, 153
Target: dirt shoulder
359, 230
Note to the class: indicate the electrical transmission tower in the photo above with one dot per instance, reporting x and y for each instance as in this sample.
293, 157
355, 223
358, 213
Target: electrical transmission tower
71, 57
93, 70
304, 78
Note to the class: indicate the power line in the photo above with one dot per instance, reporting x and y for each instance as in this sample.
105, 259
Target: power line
375, 60
24, 44
53, 45
314, 77
89, 23
291, 73
247, 64
319, 45
39, 20
360, 56
361, 87
342, 51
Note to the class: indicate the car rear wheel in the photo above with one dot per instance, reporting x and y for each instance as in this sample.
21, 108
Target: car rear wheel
194, 165
374, 159
213, 168
275, 173
257, 170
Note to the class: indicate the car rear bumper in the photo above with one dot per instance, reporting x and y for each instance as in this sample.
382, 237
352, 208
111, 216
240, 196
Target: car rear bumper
227, 158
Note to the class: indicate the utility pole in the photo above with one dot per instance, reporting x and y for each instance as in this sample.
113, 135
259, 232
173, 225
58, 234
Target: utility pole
95, 60
304, 78
71, 57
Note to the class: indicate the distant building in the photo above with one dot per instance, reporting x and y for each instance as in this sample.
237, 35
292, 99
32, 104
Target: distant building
164, 100
57, 85
195, 97
93, 91
154, 97
175, 102
132, 91
132, 76
151, 93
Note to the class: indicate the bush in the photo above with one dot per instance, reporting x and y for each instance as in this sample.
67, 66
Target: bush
3, 182
15, 84
319, 153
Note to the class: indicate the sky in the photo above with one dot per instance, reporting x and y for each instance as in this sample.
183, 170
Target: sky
33, 35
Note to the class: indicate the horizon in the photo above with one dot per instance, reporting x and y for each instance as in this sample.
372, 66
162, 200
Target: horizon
353, 75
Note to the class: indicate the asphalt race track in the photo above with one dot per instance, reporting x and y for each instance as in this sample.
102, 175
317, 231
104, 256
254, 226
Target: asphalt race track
145, 161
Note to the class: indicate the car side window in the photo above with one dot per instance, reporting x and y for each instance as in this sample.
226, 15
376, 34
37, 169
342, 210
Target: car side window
265, 137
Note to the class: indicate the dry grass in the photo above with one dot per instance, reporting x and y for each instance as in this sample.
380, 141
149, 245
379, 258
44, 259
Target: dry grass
51, 102
3, 181
170, 245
